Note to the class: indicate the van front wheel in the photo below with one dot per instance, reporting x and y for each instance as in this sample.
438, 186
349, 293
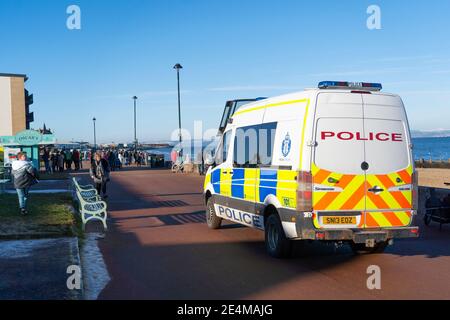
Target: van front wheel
213, 221
277, 245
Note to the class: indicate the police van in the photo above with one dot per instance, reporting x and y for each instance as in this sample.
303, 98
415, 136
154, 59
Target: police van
332, 163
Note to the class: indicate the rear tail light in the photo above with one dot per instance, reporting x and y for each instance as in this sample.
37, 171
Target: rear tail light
320, 235
415, 190
304, 191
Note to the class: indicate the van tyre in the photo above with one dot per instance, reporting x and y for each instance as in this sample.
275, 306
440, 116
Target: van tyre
360, 248
213, 221
277, 245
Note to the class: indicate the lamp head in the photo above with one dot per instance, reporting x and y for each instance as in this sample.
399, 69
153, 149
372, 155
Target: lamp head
178, 66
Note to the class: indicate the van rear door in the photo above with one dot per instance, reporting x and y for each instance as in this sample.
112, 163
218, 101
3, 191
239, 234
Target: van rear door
388, 155
339, 184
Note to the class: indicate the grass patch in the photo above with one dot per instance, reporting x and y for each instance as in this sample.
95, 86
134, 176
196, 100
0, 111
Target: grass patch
49, 215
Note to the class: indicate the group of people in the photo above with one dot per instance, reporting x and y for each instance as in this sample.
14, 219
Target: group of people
127, 158
102, 163
60, 160
118, 159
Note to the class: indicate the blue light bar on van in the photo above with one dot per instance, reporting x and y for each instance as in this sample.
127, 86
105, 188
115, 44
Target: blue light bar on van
350, 85
261, 98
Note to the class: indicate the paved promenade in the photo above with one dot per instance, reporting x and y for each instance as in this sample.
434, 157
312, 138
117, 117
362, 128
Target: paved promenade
159, 247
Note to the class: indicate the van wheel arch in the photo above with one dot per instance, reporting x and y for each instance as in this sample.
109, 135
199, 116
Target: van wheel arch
277, 245
208, 195
269, 210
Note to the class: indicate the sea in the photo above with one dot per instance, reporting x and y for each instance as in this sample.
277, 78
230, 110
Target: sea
436, 149
431, 148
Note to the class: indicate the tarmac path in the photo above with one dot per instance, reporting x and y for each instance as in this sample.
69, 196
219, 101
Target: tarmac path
159, 247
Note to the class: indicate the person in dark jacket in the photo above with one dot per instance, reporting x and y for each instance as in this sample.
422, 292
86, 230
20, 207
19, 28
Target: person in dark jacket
25, 175
100, 174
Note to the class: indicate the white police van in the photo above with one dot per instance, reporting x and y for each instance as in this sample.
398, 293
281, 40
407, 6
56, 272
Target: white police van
331, 164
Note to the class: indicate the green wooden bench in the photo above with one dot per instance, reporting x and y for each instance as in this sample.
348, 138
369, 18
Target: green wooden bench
91, 207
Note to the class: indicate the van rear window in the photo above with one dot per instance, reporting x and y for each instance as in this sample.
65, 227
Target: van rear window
387, 147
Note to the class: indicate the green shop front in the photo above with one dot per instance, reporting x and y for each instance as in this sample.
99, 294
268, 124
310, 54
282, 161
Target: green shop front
28, 141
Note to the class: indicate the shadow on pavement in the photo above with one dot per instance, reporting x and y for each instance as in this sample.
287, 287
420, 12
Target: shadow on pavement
176, 259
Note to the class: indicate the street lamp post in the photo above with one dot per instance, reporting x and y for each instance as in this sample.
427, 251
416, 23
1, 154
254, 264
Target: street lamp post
135, 133
95, 135
178, 67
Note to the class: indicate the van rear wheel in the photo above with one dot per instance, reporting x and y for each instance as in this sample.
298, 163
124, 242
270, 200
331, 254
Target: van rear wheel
213, 221
360, 248
277, 245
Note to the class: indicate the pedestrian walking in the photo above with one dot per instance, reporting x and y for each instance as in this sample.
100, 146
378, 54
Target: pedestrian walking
112, 160
69, 160
121, 160
100, 173
61, 159
54, 161
76, 159
46, 159
25, 175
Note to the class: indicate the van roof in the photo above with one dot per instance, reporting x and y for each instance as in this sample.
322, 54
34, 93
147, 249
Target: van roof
307, 93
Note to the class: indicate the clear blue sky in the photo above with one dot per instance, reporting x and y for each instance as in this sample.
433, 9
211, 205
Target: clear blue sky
229, 49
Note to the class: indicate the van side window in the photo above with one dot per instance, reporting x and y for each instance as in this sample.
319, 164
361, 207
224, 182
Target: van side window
253, 146
266, 141
246, 147
222, 151
226, 116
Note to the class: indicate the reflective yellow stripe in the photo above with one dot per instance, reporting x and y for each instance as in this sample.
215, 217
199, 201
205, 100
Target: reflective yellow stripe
225, 183
287, 188
347, 193
207, 181
385, 195
302, 146
250, 185
279, 104
380, 219
404, 218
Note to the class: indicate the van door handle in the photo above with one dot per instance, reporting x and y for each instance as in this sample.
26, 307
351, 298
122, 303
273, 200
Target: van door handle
376, 190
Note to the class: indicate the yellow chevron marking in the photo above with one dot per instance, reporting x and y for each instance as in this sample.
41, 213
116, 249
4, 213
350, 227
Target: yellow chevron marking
314, 169
394, 176
385, 195
344, 196
410, 170
380, 219
404, 217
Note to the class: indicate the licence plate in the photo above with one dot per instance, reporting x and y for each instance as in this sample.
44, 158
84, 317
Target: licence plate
334, 220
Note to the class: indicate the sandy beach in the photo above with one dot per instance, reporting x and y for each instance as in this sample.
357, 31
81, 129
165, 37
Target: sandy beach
434, 178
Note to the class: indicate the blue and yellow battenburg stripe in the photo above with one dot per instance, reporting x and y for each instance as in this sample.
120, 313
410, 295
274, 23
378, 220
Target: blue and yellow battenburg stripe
255, 185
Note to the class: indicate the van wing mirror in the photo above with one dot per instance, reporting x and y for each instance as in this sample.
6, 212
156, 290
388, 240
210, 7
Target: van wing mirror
209, 159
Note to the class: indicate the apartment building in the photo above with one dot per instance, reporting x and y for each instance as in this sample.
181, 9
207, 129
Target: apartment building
15, 101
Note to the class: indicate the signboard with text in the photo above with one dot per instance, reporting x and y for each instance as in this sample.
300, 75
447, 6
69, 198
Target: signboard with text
28, 138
